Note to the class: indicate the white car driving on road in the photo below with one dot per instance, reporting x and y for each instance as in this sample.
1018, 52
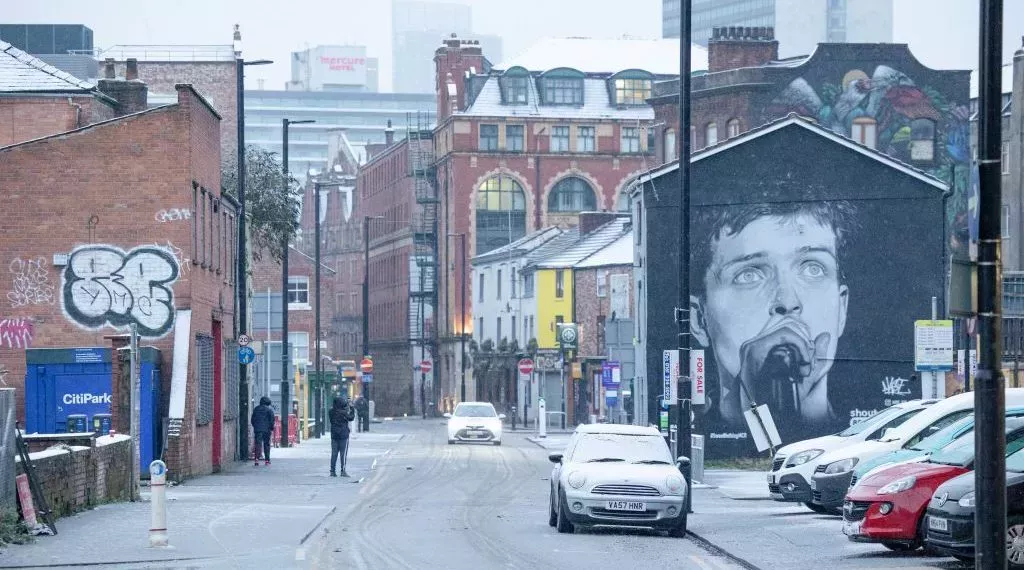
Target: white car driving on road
474, 421
617, 475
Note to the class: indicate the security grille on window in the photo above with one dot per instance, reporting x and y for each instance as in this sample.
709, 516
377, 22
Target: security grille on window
585, 139
298, 290
515, 138
630, 140
488, 137
204, 370
230, 359
559, 139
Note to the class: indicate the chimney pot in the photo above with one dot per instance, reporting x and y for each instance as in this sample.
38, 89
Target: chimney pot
131, 69
771, 32
108, 68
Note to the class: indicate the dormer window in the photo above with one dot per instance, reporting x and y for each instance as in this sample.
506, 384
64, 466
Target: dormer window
630, 87
515, 86
562, 87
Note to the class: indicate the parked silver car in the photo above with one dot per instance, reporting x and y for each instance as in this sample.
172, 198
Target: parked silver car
617, 475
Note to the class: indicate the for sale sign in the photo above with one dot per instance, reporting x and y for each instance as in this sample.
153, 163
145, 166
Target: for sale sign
697, 375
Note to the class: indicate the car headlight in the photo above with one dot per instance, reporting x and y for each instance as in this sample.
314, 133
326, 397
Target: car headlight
675, 484
804, 457
577, 479
841, 466
967, 500
898, 486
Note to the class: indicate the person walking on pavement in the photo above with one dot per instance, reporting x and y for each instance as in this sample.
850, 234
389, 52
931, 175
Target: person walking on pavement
363, 409
262, 426
340, 415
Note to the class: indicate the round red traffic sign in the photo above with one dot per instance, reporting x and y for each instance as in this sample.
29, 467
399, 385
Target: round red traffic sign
425, 366
366, 365
526, 366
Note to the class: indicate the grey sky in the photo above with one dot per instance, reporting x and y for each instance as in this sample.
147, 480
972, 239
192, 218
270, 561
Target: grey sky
942, 33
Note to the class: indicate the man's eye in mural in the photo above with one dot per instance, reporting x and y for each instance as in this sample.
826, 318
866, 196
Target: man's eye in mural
813, 270
750, 276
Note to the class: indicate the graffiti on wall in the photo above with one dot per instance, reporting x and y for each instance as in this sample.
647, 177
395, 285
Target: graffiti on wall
31, 283
173, 215
889, 112
15, 333
107, 286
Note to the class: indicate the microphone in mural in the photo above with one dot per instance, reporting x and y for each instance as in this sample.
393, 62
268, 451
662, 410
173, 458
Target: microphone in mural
770, 302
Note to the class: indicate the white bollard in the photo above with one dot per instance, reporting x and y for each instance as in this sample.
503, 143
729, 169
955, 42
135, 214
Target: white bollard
158, 501
542, 418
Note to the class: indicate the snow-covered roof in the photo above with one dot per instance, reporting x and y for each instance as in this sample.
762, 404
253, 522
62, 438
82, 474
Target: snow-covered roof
596, 104
23, 73
590, 55
560, 243
586, 246
519, 247
1007, 79
619, 252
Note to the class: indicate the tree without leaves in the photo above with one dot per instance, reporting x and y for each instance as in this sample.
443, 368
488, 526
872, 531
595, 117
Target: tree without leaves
271, 212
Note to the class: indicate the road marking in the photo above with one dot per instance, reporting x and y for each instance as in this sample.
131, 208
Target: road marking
700, 562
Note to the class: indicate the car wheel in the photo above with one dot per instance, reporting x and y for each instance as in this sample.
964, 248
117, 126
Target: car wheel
451, 442
680, 529
497, 442
823, 510
899, 546
552, 515
1015, 542
562, 522
816, 508
964, 559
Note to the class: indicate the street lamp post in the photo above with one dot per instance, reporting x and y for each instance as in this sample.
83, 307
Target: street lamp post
462, 314
242, 281
285, 396
319, 411
366, 297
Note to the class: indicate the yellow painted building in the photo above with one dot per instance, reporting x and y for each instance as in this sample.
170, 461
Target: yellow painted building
554, 298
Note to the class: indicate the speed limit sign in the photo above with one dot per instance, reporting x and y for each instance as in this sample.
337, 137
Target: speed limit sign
244, 340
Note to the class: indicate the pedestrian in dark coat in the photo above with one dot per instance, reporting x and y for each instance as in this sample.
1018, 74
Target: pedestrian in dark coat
262, 426
362, 412
340, 415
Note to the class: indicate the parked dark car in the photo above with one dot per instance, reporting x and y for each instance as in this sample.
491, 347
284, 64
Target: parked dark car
950, 513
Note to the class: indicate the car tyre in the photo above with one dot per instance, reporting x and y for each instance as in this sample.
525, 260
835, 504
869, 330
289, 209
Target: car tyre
964, 559
451, 442
562, 521
1014, 531
899, 546
816, 508
497, 442
552, 515
679, 531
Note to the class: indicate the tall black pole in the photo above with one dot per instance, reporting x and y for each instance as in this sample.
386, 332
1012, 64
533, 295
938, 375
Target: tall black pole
462, 315
989, 391
241, 283
683, 429
286, 403
366, 301
316, 274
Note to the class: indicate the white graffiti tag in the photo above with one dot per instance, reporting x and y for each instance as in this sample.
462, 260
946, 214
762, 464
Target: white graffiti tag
895, 386
105, 286
174, 215
31, 283
15, 333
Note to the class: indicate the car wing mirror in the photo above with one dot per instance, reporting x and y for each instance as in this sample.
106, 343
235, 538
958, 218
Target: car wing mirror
501, 416
683, 461
555, 457
448, 416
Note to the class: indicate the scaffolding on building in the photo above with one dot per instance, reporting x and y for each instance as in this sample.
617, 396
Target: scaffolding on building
423, 266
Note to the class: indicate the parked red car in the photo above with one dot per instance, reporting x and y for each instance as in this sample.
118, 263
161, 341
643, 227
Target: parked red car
889, 506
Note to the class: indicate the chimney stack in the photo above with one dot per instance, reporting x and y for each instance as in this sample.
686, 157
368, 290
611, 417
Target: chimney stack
735, 47
131, 69
108, 69
590, 221
453, 61
389, 134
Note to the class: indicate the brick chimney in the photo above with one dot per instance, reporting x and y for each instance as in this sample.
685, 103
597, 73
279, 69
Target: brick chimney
389, 134
590, 221
453, 61
130, 93
735, 47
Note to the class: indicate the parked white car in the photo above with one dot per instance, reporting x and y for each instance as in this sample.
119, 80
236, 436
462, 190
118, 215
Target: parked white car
833, 471
474, 421
617, 475
793, 464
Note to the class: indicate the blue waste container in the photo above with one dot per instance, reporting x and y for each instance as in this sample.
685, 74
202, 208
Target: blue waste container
76, 423
102, 423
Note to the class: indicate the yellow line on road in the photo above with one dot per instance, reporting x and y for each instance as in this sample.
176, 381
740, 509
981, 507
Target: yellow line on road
699, 562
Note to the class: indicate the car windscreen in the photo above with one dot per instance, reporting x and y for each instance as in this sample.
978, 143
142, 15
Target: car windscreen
878, 420
1015, 461
474, 411
609, 447
961, 451
941, 438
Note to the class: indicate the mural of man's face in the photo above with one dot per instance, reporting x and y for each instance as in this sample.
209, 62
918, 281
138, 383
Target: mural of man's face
773, 301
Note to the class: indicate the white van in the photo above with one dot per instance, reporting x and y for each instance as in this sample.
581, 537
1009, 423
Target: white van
793, 464
834, 470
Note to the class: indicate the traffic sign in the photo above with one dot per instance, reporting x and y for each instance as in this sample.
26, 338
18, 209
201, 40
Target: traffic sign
244, 340
366, 365
246, 355
526, 366
567, 336
425, 366
367, 378
933, 345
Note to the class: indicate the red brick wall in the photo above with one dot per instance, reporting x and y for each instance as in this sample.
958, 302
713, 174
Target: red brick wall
80, 479
589, 306
127, 174
27, 118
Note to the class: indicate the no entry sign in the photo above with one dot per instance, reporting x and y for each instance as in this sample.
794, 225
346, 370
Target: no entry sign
526, 366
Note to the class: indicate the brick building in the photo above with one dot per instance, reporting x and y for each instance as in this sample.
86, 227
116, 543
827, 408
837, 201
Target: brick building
876, 94
90, 254
532, 144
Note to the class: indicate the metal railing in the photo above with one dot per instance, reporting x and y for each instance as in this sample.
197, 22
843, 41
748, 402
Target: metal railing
167, 53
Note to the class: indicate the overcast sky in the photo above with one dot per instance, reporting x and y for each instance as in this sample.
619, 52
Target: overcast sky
942, 33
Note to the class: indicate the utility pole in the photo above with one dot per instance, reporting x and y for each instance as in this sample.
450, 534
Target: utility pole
285, 399
989, 391
316, 272
366, 299
462, 315
683, 422
136, 410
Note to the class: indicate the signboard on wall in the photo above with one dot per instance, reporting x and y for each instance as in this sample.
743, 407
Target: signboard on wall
337, 65
933, 345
